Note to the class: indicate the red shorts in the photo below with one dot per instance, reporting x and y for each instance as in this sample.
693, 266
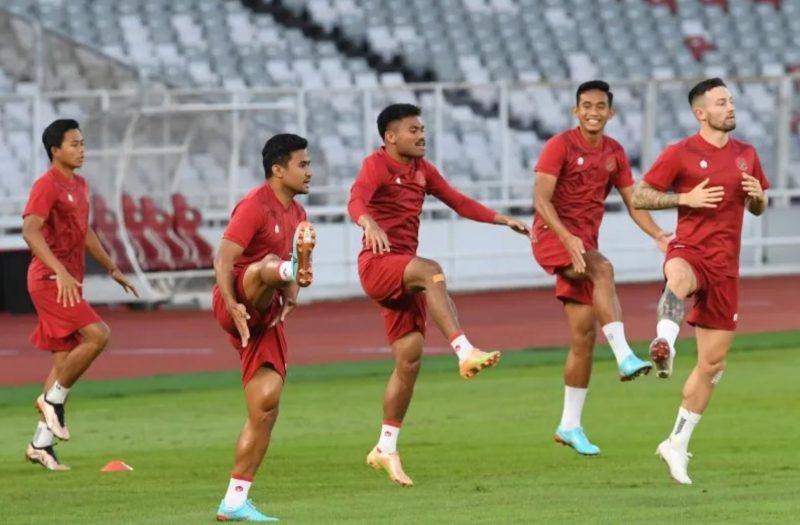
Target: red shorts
716, 299
57, 329
267, 346
382, 279
552, 257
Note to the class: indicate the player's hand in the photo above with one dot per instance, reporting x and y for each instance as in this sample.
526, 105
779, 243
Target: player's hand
751, 185
663, 239
701, 196
517, 226
374, 237
289, 300
238, 313
123, 281
575, 249
68, 293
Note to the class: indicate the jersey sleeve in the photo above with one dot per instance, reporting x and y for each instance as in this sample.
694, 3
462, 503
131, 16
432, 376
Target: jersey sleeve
364, 187
466, 207
552, 157
758, 171
624, 177
664, 170
246, 220
42, 199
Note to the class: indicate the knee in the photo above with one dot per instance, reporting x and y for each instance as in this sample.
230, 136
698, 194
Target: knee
583, 343
432, 271
601, 269
679, 280
98, 337
408, 368
711, 368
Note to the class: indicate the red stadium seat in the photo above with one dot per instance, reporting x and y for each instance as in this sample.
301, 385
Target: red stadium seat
186, 223
151, 252
105, 225
160, 222
722, 3
698, 45
775, 3
672, 4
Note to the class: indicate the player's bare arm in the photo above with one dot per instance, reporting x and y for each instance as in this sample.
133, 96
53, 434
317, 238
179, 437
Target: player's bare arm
646, 197
374, 236
67, 285
542, 203
100, 254
756, 200
516, 225
223, 270
644, 220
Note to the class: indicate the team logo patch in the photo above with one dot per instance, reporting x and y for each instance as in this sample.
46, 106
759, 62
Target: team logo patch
398, 181
580, 161
703, 164
70, 197
741, 163
611, 164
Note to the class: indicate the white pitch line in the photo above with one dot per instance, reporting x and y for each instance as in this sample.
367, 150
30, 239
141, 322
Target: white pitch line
387, 350
162, 351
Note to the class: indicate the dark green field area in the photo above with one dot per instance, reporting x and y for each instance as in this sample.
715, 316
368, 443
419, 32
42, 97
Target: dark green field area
479, 451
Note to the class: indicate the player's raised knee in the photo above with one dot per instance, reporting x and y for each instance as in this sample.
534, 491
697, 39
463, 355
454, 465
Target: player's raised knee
600, 268
97, 335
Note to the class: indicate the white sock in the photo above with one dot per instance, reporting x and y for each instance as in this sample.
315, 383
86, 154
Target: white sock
684, 426
237, 492
573, 407
57, 394
286, 271
615, 334
387, 442
669, 330
462, 346
42, 437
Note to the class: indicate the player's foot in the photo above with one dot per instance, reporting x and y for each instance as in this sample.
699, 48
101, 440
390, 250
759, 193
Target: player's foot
391, 464
53, 414
247, 512
632, 367
576, 439
477, 361
662, 355
305, 238
676, 460
45, 456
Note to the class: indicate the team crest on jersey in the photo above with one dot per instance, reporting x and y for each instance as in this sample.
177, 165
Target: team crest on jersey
611, 164
580, 161
741, 163
70, 198
703, 164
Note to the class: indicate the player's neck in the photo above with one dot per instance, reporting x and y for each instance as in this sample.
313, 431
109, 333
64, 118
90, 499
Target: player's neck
715, 137
592, 138
282, 193
65, 171
393, 153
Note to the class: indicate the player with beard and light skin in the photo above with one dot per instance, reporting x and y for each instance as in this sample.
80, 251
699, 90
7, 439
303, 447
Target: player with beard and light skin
714, 178
263, 260
574, 174
386, 201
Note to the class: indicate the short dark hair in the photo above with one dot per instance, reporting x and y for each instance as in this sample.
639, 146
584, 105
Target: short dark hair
395, 112
278, 150
53, 135
593, 85
704, 87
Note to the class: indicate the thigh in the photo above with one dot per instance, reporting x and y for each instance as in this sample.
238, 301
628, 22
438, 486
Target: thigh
578, 290
580, 319
251, 287
549, 252
716, 306
382, 275
685, 270
263, 391
267, 348
713, 344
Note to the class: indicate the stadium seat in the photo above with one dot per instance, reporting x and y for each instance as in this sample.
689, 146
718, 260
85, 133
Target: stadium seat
151, 252
161, 223
187, 220
106, 226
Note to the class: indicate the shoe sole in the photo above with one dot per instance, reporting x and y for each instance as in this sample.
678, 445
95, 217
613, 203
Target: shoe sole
566, 443
305, 243
642, 371
659, 353
377, 466
471, 372
54, 426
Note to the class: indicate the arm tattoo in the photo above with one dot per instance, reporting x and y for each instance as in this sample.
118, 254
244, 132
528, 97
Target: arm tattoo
645, 197
670, 306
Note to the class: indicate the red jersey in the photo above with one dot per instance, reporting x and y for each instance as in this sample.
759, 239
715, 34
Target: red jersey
392, 193
585, 175
262, 225
715, 232
64, 205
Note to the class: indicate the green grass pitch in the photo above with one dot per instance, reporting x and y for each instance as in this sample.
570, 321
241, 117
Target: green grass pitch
479, 451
